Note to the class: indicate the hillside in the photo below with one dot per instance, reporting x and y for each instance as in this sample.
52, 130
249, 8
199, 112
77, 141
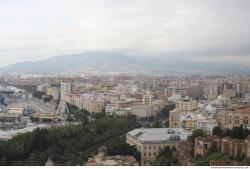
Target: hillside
118, 62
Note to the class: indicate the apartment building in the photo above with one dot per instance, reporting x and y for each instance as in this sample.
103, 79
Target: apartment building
186, 105
175, 118
53, 91
91, 105
192, 120
235, 117
147, 100
111, 109
142, 111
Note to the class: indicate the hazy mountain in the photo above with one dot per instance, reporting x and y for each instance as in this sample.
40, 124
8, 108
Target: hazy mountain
108, 61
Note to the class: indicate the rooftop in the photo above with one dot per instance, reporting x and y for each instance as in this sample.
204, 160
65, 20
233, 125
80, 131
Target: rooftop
159, 134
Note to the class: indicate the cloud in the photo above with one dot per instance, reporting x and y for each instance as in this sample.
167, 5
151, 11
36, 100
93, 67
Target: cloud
193, 29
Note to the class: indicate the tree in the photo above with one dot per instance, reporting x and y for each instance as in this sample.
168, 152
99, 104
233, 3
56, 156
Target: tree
99, 115
218, 131
119, 146
166, 157
46, 99
34, 119
236, 132
67, 145
77, 115
166, 110
197, 133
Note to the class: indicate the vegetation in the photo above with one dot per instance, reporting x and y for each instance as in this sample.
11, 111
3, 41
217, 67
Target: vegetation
236, 132
204, 161
197, 133
37, 120
68, 145
166, 110
218, 131
166, 157
34, 119
77, 115
118, 146
48, 98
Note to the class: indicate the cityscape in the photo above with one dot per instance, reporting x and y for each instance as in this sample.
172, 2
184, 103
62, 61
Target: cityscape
125, 83
200, 120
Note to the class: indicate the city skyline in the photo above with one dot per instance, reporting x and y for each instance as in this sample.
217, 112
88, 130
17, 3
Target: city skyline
125, 83
206, 31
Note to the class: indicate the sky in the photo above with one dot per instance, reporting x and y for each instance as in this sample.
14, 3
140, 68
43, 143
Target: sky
197, 30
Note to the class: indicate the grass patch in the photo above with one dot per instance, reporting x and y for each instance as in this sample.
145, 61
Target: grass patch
204, 161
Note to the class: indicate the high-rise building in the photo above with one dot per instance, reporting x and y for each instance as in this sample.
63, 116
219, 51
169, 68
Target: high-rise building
196, 92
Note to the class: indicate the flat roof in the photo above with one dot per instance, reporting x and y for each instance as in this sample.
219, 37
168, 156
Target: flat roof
159, 134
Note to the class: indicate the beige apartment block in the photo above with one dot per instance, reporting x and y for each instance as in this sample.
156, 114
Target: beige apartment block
186, 105
235, 117
175, 120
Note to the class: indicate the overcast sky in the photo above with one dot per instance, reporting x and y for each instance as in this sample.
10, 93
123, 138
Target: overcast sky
199, 30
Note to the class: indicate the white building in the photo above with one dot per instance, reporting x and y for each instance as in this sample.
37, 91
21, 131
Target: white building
134, 89
175, 98
207, 124
111, 109
247, 97
42, 88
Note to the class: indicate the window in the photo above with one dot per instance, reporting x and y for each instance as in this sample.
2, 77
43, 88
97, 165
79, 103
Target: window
145, 154
245, 121
154, 147
145, 148
154, 154
149, 154
149, 147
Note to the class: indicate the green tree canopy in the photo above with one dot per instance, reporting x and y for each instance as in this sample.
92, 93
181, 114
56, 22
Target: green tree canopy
166, 157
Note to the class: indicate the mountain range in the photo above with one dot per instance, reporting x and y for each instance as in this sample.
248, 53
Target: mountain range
119, 62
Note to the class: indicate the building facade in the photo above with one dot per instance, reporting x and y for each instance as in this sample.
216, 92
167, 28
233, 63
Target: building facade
235, 117
187, 105
150, 141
